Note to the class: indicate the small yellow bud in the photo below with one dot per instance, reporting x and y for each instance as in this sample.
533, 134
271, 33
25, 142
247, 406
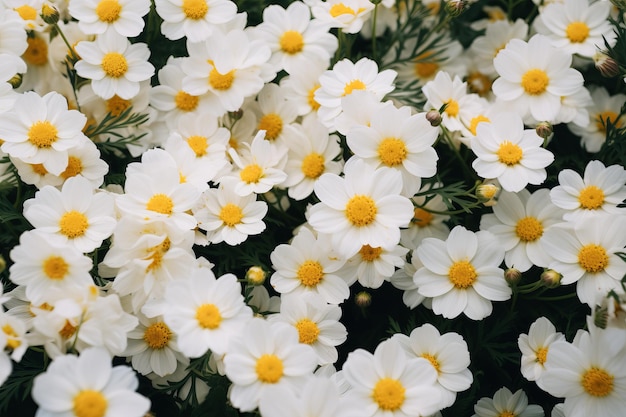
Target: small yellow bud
363, 299
606, 65
550, 278
512, 276
16, 80
3, 264
49, 14
487, 193
255, 275
544, 130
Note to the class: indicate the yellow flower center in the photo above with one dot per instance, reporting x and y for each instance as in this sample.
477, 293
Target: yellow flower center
474, 123
529, 229
108, 10
369, 254
74, 167
291, 42
116, 105
312, 165
593, 258
186, 102
269, 368
195, 9
42, 134
231, 214
392, 151
591, 197
156, 255
353, 85
68, 330
251, 173
506, 413
26, 12
462, 274
433, 361
339, 9
221, 81
425, 68
479, 83
597, 382
361, 210
577, 32
535, 82
114, 64
208, 316
542, 355
157, 335
73, 224
307, 331
39, 169
37, 51
12, 341
421, 217
452, 108
389, 394
160, 203
198, 144
311, 98
90, 403
310, 273
55, 267
603, 118
509, 153
272, 123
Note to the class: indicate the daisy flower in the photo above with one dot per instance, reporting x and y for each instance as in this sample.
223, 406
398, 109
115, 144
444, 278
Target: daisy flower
497, 34
76, 215
534, 76
274, 113
506, 403
194, 19
264, 355
462, 273
519, 221
114, 65
389, 383
36, 174
88, 385
84, 160
29, 11
585, 252
41, 130
374, 265
358, 109
601, 189
299, 88
509, 153
348, 15
576, 26
308, 265
296, 41
363, 208
535, 347
125, 17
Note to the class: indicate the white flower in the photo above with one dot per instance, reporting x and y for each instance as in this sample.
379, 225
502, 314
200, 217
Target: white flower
462, 274
506, 403
194, 19
402, 279
497, 34
348, 15
274, 113
509, 153
374, 265
12, 34
122, 16
299, 88
535, 347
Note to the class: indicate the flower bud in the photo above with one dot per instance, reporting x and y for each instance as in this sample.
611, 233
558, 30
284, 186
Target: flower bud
434, 118
550, 278
363, 299
49, 14
255, 275
455, 7
607, 66
544, 130
3, 265
16, 80
512, 276
487, 193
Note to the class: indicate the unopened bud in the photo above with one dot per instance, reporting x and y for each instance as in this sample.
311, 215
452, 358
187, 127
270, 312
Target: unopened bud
363, 299
455, 7
487, 193
607, 66
49, 14
550, 278
544, 130
434, 118
16, 80
376, 1
255, 275
512, 276
3, 265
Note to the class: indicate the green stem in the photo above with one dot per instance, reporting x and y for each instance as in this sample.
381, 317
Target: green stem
528, 288
556, 298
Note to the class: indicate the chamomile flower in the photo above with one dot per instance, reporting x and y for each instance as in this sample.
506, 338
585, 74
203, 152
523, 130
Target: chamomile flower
358, 109
506, 403
535, 347
348, 15
194, 19
299, 88
88, 385
41, 130
601, 189
114, 65
509, 153
462, 274
533, 77
497, 34
122, 16
374, 265
28, 10
84, 160
274, 113
363, 208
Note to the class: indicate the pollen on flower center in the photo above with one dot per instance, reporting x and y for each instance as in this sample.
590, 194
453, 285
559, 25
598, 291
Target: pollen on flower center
509, 153
90, 403
462, 274
535, 82
221, 81
475, 121
593, 258
597, 382
116, 105
108, 10
291, 42
231, 214
421, 217
272, 123
186, 102
452, 108
307, 331
425, 68
195, 9
433, 361
361, 210
389, 394
311, 97
39, 169
269, 368
208, 316
577, 32
37, 51
26, 12
542, 355
353, 85
529, 229
392, 151
157, 335
73, 224
603, 119
74, 167
506, 413
42, 134
156, 254
12, 341
591, 197
252, 173
160, 203
68, 330
369, 254
114, 64
479, 83
198, 144
310, 273
55, 267
339, 8
312, 165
